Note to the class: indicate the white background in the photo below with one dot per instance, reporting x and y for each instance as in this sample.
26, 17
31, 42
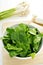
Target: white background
36, 8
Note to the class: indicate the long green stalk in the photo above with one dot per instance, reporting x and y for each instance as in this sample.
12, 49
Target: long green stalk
7, 13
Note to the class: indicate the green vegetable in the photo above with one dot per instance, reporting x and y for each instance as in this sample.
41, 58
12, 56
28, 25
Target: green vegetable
41, 34
32, 31
32, 55
36, 42
22, 40
12, 53
7, 13
10, 47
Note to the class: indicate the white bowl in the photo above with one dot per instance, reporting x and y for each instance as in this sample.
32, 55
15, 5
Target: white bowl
24, 58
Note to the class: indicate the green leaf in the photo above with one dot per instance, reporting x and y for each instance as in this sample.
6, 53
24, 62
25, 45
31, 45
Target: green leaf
10, 47
32, 31
41, 34
12, 53
37, 38
23, 27
32, 55
36, 43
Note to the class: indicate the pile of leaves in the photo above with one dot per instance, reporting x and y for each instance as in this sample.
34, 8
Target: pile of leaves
22, 40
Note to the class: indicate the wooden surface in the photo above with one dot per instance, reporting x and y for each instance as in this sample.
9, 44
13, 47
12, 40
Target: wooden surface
14, 61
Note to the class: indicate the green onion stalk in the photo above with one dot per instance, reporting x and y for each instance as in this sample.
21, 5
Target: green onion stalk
22, 7
7, 13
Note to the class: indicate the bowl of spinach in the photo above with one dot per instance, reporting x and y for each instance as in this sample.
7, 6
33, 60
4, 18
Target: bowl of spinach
22, 41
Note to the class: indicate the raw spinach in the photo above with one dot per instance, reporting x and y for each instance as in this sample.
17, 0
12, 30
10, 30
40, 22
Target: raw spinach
22, 40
